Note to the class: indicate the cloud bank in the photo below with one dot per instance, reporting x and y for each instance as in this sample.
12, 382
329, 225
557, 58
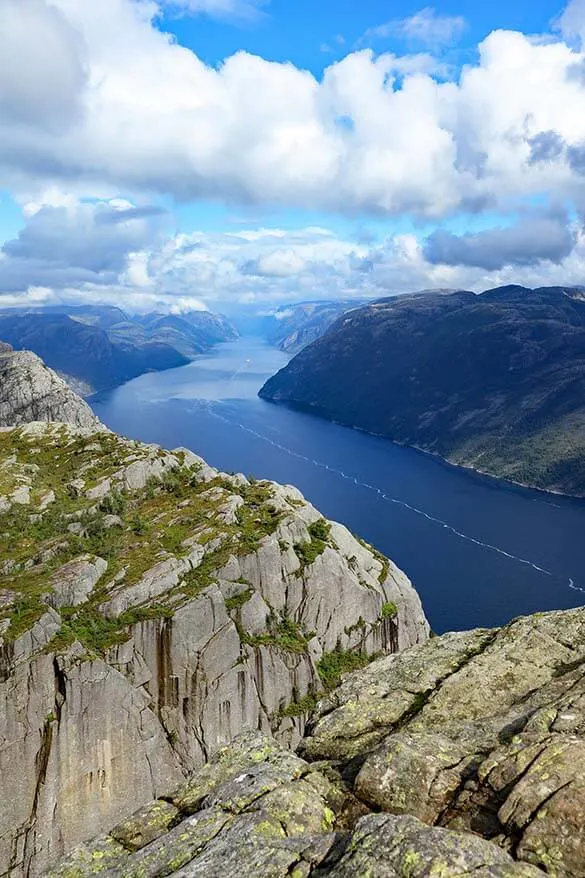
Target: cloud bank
113, 104
369, 136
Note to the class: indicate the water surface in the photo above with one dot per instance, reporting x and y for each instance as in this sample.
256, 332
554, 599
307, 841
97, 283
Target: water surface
480, 552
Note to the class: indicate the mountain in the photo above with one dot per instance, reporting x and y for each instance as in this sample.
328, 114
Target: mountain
96, 348
103, 316
29, 391
191, 333
85, 352
493, 381
201, 677
151, 609
293, 327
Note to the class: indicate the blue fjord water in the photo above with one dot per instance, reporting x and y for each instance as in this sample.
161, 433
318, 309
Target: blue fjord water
480, 552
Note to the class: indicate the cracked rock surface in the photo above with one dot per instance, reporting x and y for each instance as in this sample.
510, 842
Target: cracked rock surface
462, 757
149, 613
257, 810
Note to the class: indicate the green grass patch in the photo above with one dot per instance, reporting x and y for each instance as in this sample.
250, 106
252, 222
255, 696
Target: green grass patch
307, 553
153, 528
98, 634
284, 634
333, 664
258, 518
300, 706
383, 575
389, 611
237, 601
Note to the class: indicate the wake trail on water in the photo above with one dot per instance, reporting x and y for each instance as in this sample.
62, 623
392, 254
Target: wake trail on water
386, 497
239, 371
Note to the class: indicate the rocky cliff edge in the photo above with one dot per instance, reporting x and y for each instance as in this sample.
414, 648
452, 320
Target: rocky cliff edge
30, 391
463, 757
152, 608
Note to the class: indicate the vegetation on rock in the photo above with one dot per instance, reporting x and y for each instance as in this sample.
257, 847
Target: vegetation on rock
341, 661
308, 552
150, 609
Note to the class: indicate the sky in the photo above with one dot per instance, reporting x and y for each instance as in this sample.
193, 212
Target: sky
218, 154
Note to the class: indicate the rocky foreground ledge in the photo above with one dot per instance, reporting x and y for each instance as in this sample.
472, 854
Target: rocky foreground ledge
151, 609
463, 757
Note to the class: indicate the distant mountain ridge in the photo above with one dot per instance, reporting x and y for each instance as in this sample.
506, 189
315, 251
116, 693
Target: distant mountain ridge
493, 381
293, 327
96, 348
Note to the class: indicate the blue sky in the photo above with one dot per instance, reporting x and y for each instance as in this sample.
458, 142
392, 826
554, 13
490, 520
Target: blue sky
210, 153
298, 30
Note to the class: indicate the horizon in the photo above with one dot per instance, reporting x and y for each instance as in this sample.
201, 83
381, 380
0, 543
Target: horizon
235, 311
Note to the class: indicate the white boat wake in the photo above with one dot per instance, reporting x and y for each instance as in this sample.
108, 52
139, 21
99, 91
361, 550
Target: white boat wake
386, 497
575, 587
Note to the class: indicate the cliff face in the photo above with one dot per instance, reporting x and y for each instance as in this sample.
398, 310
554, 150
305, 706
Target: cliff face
495, 381
462, 756
151, 609
29, 391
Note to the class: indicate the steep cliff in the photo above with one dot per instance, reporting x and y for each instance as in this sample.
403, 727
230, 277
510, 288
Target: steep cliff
151, 609
493, 381
29, 391
463, 757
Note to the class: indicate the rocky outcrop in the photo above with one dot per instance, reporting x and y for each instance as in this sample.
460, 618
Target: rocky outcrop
151, 609
258, 810
30, 391
462, 756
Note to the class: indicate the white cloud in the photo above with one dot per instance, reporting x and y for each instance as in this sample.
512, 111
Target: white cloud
113, 105
42, 66
279, 263
80, 244
572, 21
105, 253
400, 266
426, 27
187, 303
533, 240
376, 134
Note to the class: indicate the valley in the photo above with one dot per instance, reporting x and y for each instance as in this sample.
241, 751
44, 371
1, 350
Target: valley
480, 551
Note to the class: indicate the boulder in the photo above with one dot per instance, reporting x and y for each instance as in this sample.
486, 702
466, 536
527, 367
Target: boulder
73, 583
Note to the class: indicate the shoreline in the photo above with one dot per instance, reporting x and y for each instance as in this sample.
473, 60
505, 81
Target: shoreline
466, 467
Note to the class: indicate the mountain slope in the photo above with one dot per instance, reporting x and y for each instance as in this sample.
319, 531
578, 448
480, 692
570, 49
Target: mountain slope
85, 351
495, 381
29, 391
191, 333
295, 326
102, 347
